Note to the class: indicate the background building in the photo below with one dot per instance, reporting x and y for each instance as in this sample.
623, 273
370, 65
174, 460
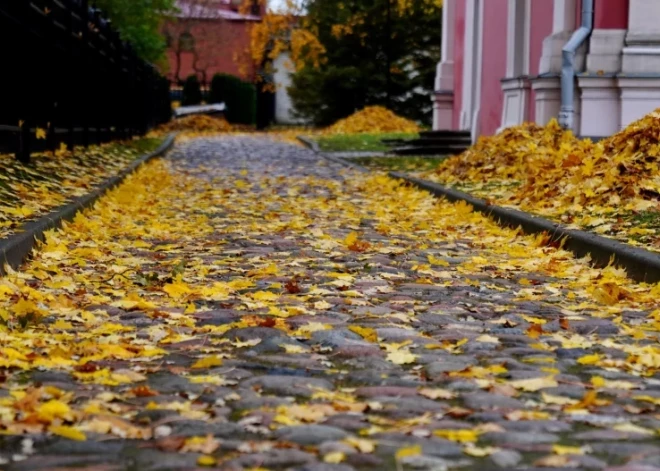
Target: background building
501, 64
209, 37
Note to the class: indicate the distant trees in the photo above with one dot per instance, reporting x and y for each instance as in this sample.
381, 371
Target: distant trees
348, 54
139, 22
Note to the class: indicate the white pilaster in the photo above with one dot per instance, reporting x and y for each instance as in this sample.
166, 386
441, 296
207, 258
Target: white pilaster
563, 25
444, 79
548, 101
443, 110
601, 107
515, 87
516, 102
642, 52
639, 96
605, 47
443, 99
472, 64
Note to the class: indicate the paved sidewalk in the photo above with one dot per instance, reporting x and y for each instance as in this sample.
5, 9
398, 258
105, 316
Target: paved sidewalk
244, 304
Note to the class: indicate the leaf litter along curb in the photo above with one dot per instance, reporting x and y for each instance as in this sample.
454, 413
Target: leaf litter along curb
54, 178
611, 187
121, 294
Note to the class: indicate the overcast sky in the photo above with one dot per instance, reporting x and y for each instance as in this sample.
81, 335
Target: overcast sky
275, 4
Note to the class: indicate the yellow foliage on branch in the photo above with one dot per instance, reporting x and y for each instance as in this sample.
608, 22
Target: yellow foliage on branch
404, 6
286, 31
372, 119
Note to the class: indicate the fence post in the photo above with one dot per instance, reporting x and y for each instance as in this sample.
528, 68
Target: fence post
24, 141
84, 52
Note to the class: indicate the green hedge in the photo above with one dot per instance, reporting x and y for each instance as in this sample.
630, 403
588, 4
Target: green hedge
239, 97
192, 91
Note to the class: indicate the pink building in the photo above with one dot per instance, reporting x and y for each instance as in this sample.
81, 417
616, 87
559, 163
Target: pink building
502, 64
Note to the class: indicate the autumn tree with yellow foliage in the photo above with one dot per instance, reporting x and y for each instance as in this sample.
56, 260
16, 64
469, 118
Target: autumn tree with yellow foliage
348, 54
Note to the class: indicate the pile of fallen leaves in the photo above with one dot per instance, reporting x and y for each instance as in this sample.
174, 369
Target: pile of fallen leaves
197, 123
621, 170
372, 119
516, 153
547, 170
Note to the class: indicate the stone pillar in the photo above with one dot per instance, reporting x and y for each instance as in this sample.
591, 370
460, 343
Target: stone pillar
642, 52
563, 25
640, 78
599, 92
443, 99
516, 86
472, 62
547, 87
608, 37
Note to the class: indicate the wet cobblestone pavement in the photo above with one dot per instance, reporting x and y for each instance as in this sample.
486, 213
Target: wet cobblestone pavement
245, 304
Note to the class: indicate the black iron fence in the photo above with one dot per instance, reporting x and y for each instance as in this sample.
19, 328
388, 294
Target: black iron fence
66, 77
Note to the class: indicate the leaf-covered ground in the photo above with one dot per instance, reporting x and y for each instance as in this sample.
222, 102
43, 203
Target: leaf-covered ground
244, 304
53, 179
611, 187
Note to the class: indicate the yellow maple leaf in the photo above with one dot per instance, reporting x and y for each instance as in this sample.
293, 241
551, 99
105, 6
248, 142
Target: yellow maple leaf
401, 357
458, 435
567, 450
264, 296
366, 333
437, 261
334, 457
479, 452
288, 348
362, 445
351, 239
68, 432
206, 460
436, 393
207, 362
40, 133
54, 409
190, 309
177, 289
558, 400
534, 384
405, 452
322, 305
651, 399
589, 359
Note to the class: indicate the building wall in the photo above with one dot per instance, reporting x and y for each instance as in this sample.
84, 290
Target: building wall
459, 52
541, 20
218, 42
611, 14
493, 65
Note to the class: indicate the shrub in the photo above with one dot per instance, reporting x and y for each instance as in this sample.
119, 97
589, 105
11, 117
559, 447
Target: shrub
217, 91
239, 97
192, 91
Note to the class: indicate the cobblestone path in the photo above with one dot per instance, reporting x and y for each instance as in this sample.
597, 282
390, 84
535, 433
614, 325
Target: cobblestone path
244, 304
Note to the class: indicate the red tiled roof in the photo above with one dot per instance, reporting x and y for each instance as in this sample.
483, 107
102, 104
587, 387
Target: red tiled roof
211, 10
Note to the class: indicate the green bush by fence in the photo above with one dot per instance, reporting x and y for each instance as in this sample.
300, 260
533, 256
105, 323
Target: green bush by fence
192, 91
239, 97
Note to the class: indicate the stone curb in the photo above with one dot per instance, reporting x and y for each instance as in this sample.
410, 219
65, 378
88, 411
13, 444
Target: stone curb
640, 265
313, 145
15, 249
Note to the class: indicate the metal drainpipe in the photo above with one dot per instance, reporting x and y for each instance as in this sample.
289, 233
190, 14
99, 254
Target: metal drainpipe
567, 111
